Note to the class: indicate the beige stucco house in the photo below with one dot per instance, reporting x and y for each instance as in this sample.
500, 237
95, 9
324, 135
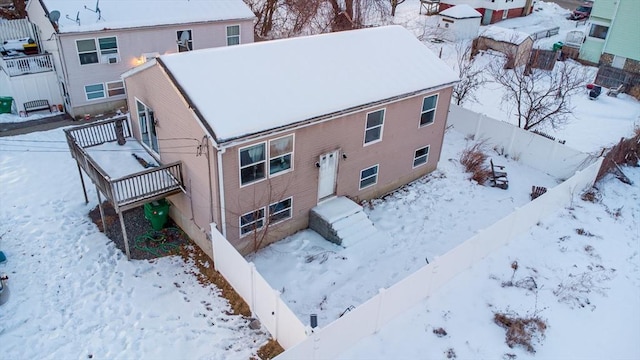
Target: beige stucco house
266, 131
93, 42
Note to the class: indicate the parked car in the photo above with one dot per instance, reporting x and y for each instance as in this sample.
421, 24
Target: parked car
581, 12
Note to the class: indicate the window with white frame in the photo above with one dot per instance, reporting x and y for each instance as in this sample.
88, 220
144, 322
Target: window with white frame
280, 211
505, 14
280, 154
373, 128
428, 113
233, 35
115, 88
185, 41
147, 122
368, 177
421, 156
251, 221
252, 163
87, 51
94, 91
93, 51
598, 31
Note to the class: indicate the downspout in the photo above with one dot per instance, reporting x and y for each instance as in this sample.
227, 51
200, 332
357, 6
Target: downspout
223, 208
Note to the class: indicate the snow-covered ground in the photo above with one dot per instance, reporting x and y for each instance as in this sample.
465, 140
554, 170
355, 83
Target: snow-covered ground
74, 295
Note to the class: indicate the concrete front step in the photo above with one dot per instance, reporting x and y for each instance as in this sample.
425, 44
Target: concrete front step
341, 221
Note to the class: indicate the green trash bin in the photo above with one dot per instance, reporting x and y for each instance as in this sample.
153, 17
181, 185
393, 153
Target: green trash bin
557, 46
157, 213
6, 103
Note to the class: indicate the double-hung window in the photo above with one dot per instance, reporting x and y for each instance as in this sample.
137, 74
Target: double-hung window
280, 211
373, 128
233, 35
251, 221
108, 49
428, 114
280, 155
94, 91
252, 163
87, 51
421, 156
115, 88
368, 177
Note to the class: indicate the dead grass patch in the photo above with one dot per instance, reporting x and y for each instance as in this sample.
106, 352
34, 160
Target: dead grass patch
270, 350
521, 331
474, 159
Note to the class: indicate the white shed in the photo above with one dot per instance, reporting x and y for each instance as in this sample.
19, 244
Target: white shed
460, 22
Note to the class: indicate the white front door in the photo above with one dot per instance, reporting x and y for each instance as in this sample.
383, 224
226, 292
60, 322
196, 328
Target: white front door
327, 174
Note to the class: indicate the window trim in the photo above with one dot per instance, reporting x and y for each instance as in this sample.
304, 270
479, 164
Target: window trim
422, 112
377, 166
293, 145
227, 36
505, 14
426, 156
290, 209
266, 165
381, 126
240, 226
124, 91
591, 28
189, 43
96, 51
104, 92
148, 113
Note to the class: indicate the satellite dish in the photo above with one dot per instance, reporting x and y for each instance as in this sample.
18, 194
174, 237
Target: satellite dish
54, 16
184, 39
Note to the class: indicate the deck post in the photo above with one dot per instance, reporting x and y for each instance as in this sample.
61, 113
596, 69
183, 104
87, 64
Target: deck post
124, 235
104, 224
84, 189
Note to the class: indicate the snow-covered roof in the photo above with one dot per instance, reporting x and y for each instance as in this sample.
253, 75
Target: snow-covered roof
462, 11
247, 89
503, 34
120, 14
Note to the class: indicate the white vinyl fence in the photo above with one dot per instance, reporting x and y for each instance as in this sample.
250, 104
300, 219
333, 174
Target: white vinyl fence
265, 302
554, 158
540, 153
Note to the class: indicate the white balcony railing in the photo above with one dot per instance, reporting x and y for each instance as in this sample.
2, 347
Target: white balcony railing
28, 64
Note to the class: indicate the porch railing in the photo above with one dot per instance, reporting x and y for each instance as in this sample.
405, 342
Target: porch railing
128, 191
28, 64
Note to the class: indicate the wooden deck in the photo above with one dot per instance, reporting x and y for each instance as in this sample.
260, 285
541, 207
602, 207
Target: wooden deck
129, 191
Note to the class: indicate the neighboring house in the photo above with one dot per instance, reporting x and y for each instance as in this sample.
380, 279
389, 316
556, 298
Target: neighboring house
26, 72
266, 131
493, 11
516, 45
92, 44
613, 37
460, 22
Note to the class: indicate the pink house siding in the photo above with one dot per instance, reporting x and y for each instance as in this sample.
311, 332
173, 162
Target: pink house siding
401, 137
179, 138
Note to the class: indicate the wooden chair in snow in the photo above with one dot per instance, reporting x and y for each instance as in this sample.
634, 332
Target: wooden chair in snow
498, 178
536, 191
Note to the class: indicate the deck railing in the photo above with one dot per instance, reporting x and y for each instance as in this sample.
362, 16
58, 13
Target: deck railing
28, 64
128, 191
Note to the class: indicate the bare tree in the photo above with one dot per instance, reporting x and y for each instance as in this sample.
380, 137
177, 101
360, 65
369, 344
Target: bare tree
394, 5
539, 96
471, 75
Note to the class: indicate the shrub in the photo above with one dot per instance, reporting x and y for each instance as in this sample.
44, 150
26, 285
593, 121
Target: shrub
473, 159
521, 331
